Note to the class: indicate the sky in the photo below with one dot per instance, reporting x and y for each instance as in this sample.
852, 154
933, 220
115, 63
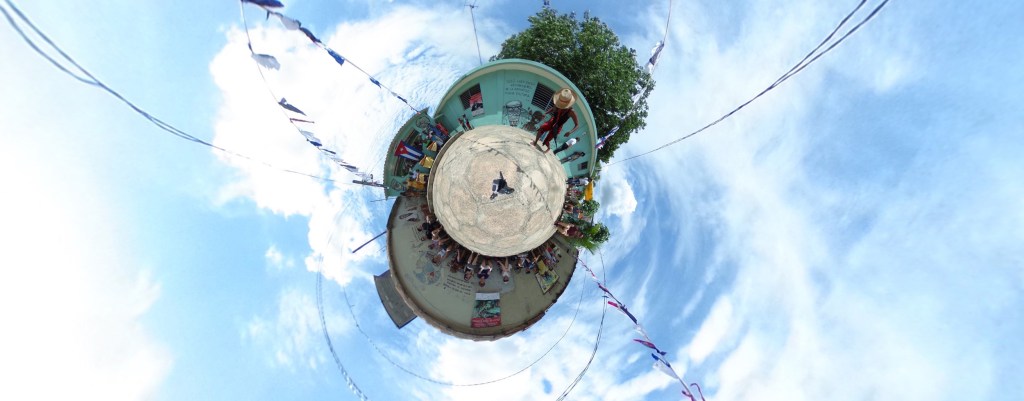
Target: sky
852, 235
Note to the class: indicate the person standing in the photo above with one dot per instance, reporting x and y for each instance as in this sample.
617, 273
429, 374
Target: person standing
566, 145
560, 113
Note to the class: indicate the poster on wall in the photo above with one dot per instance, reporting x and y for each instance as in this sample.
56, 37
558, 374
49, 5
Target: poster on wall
487, 310
476, 104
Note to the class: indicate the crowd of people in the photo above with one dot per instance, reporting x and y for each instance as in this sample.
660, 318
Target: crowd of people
473, 264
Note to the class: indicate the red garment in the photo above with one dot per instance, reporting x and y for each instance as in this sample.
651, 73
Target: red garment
554, 125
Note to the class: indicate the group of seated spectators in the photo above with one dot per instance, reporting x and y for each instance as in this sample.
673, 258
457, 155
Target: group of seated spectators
474, 264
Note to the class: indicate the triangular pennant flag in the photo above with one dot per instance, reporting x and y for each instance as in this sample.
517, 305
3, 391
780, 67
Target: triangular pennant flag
266, 60
310, 35
337, 57
640, 330
655, 53
288, 22
265, 3
329, 151
650, 345
600, 142
665, 369
284, 103
311, 138
630, 315
375, 82
299, 120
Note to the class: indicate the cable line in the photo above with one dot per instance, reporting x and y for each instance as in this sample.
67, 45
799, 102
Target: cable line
443, 383
806, 61
91, 80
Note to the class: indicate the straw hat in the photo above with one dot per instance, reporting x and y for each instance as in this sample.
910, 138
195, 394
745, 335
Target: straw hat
564, 98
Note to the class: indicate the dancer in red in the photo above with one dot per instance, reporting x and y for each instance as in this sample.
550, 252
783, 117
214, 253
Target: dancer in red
560, 113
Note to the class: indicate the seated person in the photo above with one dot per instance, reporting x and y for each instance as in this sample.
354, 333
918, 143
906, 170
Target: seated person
441, 253
505, 267
521, 261
485, 272
531, 262
568, 229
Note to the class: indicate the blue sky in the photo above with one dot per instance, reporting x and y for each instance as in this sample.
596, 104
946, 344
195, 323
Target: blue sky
854, 234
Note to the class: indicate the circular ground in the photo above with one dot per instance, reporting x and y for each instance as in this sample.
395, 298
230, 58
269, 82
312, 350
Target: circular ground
507, 224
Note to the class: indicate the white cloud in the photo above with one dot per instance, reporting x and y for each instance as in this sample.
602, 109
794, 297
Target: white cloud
617, 196
276, 260
715, 327
352, 116
293, 337
821, 308
72, 298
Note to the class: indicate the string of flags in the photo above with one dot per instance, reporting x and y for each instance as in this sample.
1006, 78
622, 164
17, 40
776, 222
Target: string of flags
296, 116
660, 362
292, 24
652, 63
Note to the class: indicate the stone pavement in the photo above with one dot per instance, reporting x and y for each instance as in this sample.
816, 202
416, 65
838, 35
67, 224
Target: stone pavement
510, 223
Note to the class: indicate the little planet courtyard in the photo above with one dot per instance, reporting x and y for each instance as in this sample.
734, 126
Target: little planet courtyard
473, 245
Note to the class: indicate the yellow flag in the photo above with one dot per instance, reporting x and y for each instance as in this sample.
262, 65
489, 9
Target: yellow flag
588, 192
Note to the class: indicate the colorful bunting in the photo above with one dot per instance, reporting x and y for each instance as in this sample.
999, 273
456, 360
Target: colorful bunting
660, 363
650, 345
287, 22
266, 60
265, 3
294, 24
310, 35
284, 103
600, 142
311, 138
337, 57
664, 367
655, 54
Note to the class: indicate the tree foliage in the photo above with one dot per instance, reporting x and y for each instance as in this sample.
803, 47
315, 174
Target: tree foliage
589, 54
589, 207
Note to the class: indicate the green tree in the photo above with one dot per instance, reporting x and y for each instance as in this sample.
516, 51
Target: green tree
598, 233
591, 56
589, 207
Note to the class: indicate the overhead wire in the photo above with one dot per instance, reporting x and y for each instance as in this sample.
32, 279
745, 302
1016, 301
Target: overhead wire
353, 387
452, 384
597, 341
266, 83
91, 80
800, 66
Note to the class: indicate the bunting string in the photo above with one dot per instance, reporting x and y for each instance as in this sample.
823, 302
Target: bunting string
660, 362
84, 76
807, 60
652, 63
293, 24
290, 111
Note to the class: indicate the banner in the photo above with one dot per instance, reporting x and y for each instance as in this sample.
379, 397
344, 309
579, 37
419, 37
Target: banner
486, 310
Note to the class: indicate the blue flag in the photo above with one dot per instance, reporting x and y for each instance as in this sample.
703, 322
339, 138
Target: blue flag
375, 82
265, 3
310, 35
284, 103
337, 57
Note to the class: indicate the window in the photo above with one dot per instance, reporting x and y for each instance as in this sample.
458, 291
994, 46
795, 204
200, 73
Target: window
584, 165
542, 96
469, 94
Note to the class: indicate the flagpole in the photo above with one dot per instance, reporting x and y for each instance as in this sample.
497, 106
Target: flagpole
368, 242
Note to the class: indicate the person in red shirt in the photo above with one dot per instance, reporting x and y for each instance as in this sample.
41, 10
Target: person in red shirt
560, 114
